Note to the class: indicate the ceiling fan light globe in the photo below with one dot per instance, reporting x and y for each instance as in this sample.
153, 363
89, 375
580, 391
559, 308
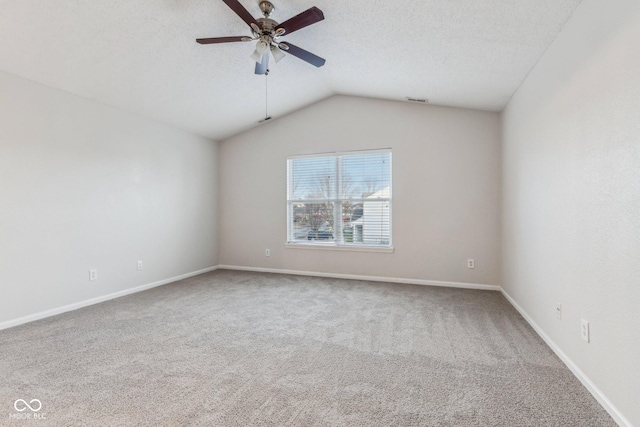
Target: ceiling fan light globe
256, 56
262, 47
277, 53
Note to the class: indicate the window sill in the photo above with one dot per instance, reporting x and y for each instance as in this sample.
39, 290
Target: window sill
347, 248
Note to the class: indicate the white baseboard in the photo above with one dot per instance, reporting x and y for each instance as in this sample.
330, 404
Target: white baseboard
595, 391
367, 278
92, 301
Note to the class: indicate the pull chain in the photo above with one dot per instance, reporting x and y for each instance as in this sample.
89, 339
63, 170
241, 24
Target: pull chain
266, 95
266, 99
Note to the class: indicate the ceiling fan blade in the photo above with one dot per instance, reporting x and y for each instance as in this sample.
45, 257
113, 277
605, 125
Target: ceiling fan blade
223, 40
241, 11
261, 67
306, 18
304, 55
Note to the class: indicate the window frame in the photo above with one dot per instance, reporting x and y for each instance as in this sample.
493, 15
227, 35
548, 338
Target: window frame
338, 243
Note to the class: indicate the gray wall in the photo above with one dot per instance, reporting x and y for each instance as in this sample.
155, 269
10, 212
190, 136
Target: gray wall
446, 184
572, 196
82, 186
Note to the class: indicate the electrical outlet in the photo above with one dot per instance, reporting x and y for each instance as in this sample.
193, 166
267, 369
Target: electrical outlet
140, 265
93, 274
267, 252
585, 330
471, 263
559, 311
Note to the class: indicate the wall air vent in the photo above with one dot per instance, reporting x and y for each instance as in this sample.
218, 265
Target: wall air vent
417, 100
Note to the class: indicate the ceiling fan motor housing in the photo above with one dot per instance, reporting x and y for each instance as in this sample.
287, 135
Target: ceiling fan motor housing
268, 26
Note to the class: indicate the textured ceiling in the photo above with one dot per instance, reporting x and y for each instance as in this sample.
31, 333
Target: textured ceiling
141, 56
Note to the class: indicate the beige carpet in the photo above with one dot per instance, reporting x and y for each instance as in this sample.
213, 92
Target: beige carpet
248, 349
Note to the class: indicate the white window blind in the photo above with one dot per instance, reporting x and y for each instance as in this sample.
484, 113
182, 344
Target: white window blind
342, 199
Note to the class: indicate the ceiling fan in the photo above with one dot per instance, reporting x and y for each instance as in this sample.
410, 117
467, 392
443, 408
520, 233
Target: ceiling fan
268, 32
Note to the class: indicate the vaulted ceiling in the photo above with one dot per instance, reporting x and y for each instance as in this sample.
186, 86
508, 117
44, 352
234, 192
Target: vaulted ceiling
141, 56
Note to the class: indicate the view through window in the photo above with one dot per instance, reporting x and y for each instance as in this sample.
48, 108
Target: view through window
340, 199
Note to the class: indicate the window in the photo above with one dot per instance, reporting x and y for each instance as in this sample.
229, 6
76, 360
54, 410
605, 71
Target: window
340, 200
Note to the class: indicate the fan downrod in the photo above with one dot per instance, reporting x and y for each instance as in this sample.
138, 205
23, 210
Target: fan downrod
266, 7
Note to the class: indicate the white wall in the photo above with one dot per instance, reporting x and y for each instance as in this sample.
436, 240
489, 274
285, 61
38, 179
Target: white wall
83, 185
446, 185
571, 148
